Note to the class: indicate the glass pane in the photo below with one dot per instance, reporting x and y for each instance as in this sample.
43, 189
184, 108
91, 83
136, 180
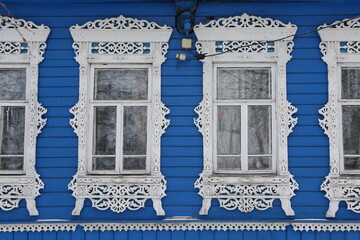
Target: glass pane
104, 163
259, 130
351, 129
259, 163
243, 83
134, 163
350, 81
121, 84
228, 130
104, 131
352, 163
135, 130
12, 130
229, 163
12, 84
11, 163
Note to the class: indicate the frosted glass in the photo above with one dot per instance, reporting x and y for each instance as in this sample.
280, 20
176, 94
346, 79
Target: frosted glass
229, 130
12, 84
259, 163
11, 163
259, 129
12, 130
104, 138
351, 129
135, 137
121, 84
105, 130
350, 81
243, 83
103, 163
134, 163
229, 163
352, 163
135, 130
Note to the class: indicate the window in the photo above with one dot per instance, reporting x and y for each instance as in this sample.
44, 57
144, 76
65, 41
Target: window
340, 51
20, 112
12, 119
244, 106
120, 108
244, 116
350, 104
119, 118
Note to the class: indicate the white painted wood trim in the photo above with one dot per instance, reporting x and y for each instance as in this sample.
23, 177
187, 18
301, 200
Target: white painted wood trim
28, 46
149, 52
241, 191
338, 186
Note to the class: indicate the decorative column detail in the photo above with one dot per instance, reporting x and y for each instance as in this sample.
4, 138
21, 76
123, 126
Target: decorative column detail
23, 42
129, 41
245, 40
339, 46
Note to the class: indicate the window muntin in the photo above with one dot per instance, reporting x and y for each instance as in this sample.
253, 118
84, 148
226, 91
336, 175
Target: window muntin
120, 119
244, 110
350, 108
13, 100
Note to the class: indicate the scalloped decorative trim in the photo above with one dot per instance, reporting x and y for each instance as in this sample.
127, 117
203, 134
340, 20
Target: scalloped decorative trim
326, 226
120, 22
192, 226
345, 23
244, 20
183, 226
38, 227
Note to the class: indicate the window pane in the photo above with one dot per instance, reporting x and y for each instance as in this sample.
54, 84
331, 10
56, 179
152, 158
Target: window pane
229, 163
121, 84
12, 130
228, 130
259, 130
243, 83
350, 81
104, 131
351, 129
12, 84
135, 130
259, 163
104, 163
134, 163
11, 163
352, 163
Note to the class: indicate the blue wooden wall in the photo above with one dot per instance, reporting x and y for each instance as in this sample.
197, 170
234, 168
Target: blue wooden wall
182, 144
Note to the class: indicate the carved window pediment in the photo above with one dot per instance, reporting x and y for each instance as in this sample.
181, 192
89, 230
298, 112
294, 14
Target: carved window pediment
22, 45
244, 117
119, 118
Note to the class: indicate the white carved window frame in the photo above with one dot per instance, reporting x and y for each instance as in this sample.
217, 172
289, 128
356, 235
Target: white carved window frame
119, 41
22, 45
245, 192
340, 48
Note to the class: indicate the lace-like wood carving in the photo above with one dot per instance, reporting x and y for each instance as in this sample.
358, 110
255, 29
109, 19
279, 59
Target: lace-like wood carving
119, 192
243, 38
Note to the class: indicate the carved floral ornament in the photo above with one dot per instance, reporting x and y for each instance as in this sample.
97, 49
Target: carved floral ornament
14, 50
128, 41
339, 46
233, 36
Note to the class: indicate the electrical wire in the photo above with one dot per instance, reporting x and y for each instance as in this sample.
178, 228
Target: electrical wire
204, 55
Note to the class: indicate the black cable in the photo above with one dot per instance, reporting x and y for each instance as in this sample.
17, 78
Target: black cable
203, 55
